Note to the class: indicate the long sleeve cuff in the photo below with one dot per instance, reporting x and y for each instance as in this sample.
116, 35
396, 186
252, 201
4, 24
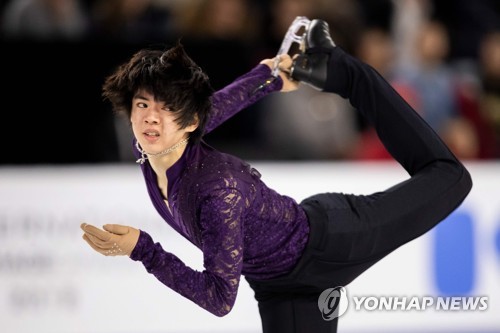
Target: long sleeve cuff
144, 244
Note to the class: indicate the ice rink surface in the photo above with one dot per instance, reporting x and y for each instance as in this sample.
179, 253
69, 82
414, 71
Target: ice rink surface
52, 282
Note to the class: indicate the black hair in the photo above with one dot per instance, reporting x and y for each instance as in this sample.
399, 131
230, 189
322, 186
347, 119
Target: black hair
171, 76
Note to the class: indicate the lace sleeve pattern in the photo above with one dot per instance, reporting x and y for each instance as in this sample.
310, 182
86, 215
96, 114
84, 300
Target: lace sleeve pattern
241, 93
215, 288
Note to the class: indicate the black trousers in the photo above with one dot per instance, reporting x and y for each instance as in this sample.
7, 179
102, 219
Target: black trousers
350, 233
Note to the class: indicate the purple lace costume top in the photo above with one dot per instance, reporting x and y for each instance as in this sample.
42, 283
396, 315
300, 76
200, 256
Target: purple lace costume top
220, 204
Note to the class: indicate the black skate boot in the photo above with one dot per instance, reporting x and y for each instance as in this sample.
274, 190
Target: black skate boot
310, 66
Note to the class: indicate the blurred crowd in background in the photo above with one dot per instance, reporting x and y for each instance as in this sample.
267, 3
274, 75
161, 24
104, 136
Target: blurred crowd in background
442, 56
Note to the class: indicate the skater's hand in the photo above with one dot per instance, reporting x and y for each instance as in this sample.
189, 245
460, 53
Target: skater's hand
285, 64
114, 240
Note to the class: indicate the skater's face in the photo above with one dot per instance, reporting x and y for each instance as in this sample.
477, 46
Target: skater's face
155, 125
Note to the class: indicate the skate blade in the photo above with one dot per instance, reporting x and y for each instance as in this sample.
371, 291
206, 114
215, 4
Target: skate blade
292, 36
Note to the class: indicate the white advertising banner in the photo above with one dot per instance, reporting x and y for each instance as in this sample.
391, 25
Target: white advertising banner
51, 281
